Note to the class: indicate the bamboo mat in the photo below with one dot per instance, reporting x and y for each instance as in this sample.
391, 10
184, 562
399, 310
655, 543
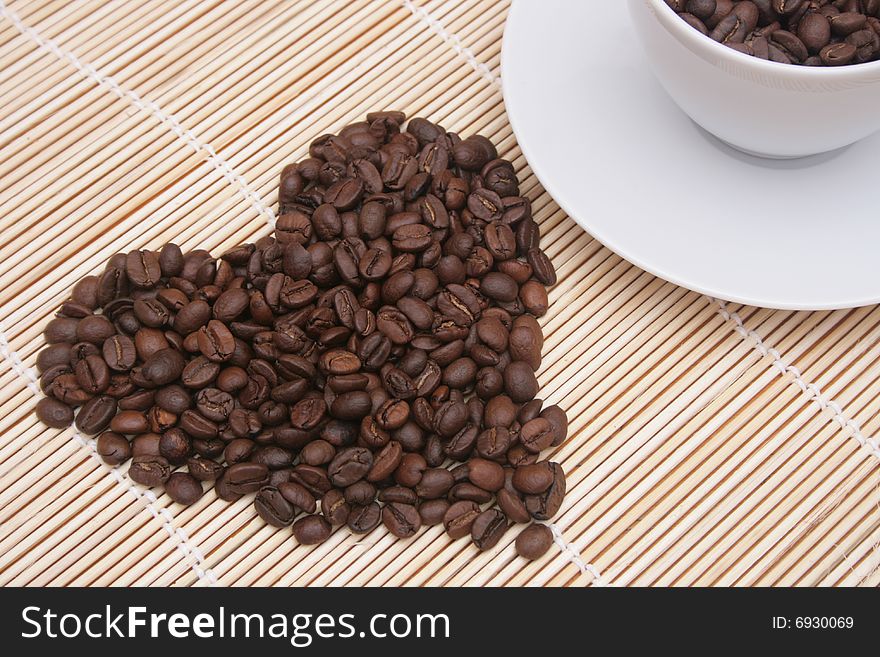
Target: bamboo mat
711, 444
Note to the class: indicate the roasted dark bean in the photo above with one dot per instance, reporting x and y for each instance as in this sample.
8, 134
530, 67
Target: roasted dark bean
488, 528
334, 507
544, 506
362, 519
534, 541
183, 488
488, 475
245, 478
96, 414
149, 470
113, 448
460, 517
54, 413
533, 479
311, 530
273, 508
298, 495
402, 520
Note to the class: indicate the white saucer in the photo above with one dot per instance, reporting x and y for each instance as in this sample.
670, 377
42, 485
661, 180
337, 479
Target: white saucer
623, 161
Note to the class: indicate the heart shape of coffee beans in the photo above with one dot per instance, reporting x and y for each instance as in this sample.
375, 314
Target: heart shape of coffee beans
372, 361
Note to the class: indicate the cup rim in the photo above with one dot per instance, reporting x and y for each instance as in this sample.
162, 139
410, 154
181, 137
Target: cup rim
684, 32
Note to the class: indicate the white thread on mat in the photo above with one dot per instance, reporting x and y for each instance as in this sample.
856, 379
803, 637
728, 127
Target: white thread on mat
571, 553
178, 535
9, 355
166, 118
453, 41
811, 390
192, 555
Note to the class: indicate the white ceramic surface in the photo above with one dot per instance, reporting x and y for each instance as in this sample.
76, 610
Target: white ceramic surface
622, 160
777, 110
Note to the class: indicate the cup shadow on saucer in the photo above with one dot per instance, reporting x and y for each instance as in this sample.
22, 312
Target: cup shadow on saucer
766, 162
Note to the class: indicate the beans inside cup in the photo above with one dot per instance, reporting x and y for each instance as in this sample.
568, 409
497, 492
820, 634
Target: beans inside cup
803, 32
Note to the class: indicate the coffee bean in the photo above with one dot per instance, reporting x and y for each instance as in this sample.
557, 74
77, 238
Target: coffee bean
94, 329
92, 374
513, 505
314, 479
838, 54
385, 462
469, 491
334, 507
150, 471
434, 483
460, 517
520, 382
113, 448
558, 423
175, 446
298, 495
533, 479
221, 486
398, 494
173, 398
360, 493
534, 541
52, 356
203, 469
216, 342
119, 353
866, 42
702, 9
146, 444
432, 512
349, 465
409, 472
362, 519
460, 373
339, 362
273, 508
545, 505
485, 474
197, 425
734, 27
129, 422
542, 267
311, 530
163, 367
318, 452
395, 325
96, 414
54, 413
199, 373
183, 488
142, 269
66, 389
402, 520
307, 413
815, 32
488, 528
61, 330
243, 478
450, 418
537, 435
